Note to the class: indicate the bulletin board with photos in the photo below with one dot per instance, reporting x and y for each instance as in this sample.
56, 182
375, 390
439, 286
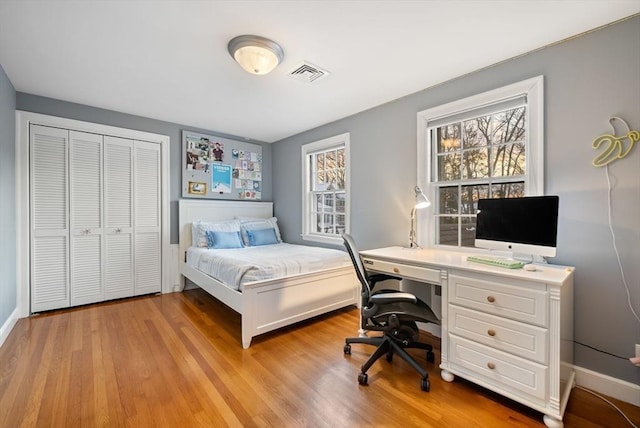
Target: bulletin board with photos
220, 168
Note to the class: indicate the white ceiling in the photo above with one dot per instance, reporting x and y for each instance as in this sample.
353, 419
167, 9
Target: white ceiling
168, 60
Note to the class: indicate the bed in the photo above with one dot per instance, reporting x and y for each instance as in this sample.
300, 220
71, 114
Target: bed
264, 304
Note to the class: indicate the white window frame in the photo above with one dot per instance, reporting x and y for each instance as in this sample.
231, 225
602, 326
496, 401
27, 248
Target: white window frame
533, 89
338, 141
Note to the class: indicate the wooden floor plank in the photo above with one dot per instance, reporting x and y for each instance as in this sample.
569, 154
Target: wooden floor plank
177, 360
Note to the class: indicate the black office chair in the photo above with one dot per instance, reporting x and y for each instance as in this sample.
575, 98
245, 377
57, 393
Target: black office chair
394, 314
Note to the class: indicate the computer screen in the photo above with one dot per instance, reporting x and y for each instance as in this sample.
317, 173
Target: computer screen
526, 225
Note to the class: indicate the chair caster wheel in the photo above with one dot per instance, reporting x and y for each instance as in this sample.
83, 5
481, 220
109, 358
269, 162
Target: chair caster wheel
425, 385
390, 356
363, 378
431, 357
347, 349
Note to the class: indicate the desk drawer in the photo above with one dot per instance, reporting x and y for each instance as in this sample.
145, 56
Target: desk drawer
521, 339
500, 298
502, 370
422, 274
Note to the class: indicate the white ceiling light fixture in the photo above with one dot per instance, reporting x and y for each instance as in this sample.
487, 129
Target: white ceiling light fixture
256, 54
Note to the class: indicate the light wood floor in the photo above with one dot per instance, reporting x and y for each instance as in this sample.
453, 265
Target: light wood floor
176, 361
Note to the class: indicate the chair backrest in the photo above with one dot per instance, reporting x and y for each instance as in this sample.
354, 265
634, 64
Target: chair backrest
361, 273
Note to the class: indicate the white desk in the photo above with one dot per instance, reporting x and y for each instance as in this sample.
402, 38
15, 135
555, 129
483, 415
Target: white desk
508, 330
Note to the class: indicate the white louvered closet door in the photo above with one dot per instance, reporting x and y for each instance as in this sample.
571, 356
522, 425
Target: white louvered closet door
146, 198
118, 217
85, 206
49, 218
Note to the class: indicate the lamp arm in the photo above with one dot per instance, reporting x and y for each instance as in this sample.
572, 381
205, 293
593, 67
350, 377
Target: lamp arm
421, 202
412, 232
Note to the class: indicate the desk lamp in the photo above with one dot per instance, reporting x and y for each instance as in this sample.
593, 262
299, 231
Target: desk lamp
421, 202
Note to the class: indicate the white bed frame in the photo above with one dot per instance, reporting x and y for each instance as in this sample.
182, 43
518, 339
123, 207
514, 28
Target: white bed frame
265, 305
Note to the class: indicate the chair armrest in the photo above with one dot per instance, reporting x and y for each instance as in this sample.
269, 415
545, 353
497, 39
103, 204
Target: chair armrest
384, 298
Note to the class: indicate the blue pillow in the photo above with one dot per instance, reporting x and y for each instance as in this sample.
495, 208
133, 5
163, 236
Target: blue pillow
222, 240
262, 237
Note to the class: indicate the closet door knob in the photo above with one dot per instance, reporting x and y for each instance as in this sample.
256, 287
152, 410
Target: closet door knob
491, 333
491, 366
396, 270
491, 299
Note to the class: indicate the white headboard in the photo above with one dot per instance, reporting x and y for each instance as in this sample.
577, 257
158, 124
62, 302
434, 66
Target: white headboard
191, 210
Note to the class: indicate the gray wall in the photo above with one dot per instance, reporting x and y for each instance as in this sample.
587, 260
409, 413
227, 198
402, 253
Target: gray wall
53, 107
588, 79
7, 198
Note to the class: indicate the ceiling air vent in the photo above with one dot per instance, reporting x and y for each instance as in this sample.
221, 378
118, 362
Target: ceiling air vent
307, 73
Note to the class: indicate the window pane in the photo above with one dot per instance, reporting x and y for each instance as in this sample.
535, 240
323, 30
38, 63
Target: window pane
330, 159
509, 159
448, 230
470, 195
340, 158
340, 184
448, 200
475, 163
328, 202
449, 167
509, 126
448, 138
319, 180
476, 132
331, 179
468, 231
340, 224
319, 203
340, 202
320, 161
319, 224
328, 223
508, 190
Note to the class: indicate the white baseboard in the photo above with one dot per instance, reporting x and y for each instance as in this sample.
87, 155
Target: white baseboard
433, 329
6, 328
174, 270
607, 385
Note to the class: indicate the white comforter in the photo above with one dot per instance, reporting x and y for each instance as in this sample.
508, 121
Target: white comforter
236, 267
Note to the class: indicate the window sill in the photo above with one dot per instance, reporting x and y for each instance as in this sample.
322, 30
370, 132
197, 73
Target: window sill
333, 240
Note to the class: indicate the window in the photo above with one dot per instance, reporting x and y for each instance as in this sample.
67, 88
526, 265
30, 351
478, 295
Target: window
325, 189
485, 146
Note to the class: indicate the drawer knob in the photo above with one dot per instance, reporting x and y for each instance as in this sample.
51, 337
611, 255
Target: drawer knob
491, 299
491, 366
491, 333
396, 270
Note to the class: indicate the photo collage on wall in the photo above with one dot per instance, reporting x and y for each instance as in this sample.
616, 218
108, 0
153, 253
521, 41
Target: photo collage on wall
211, 169
247, 173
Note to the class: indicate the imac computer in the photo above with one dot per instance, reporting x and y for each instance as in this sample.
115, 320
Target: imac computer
526, 225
